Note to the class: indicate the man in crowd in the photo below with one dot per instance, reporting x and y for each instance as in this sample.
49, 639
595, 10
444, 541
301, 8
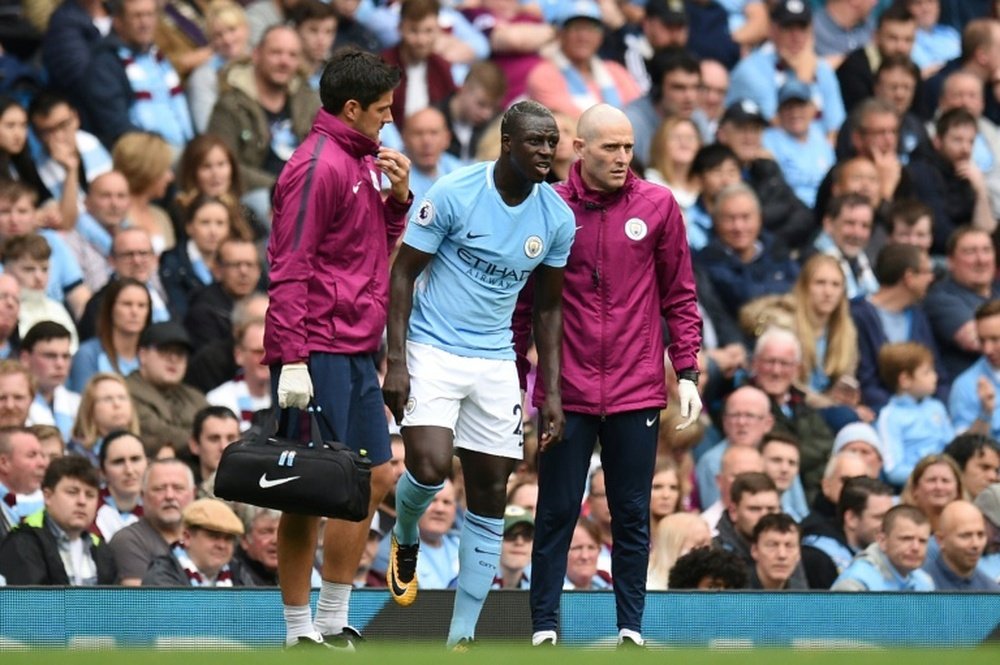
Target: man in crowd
201, 558
237, 273
214, 428
978, 456
776, 551
972, 401
16, 394
22, 467
736, 461
250, 391
255, 562
961, 537
45, 352
893, 562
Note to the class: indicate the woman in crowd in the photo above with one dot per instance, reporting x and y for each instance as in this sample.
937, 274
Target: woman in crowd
188, 267
524, 494
671, 154
125, 312
665, 497
935, 482
829, 339
675, 536
123, 462
581, 564
229, 38
16, 161
105, 406
208, 167
145, 161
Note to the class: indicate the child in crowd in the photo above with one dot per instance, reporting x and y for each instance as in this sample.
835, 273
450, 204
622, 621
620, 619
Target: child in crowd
913, 424
26, 259
714, 168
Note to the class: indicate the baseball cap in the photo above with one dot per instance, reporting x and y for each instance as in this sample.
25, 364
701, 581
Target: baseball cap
670, 12
515, 515
792, 12
858, 432
794, 89
988, 501
743, 112
579, 9
166, 333
213, 515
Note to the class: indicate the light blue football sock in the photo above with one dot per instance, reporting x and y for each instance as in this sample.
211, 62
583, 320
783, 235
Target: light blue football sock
412, 500
479, 560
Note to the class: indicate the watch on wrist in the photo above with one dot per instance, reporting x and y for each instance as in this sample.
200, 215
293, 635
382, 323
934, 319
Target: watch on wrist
689, 375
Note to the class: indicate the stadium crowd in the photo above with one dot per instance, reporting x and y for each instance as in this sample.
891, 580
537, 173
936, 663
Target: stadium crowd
838, 167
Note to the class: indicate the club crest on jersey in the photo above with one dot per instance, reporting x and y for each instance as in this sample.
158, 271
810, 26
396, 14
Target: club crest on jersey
411, 404
533, 247
425, 213
636, 229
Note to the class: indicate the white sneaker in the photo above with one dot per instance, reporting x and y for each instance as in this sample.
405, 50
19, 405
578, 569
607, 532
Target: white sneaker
546, 638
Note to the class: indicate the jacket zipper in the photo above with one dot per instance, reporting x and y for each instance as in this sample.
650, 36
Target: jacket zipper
600, 300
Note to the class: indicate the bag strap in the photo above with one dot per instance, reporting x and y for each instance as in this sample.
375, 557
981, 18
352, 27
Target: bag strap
277, 422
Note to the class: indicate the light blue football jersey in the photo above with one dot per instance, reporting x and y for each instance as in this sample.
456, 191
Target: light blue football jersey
484, 252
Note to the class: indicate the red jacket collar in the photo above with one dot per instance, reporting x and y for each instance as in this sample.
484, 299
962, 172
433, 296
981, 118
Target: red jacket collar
352, 141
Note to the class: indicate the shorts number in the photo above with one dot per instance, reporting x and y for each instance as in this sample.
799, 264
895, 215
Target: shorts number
519, 430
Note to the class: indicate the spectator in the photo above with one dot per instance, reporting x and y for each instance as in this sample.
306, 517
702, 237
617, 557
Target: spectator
904, 273
129, 86
515, 551
582, 572
182, 35
671, 155
265, 107
316, 24
202, 557
22, 467
208, 167
777, 552
523, 493
798, 144
780, 452
167, 488
893, 37
978, 456
145, 160
758, 76
664, 25
822, 518
775, 366
988, 502
53, 547
166, 406
862, 440
715, 167
980, 57
104, 215
952, 302
910, 223
893, 562
847, 229
437, 567
708, 569
735, 461
675, 79
214, 362
574, 78
229, 37
213, 430
961, 538
935, 482
15, 394
783, 214
897, 81
71, 158
45, 352
188, 267
842, 26
123, 462
237, 273
828, 548
131, 256
250, 391
425, 142
709, 36
427, 77
255, 562
473, 108
10, 307
936, 43
16, 161
950, 182
350, 30
972, 401
105, 407
746, 419
741, 261
75, 28
26, 259
52, 442
674, 536
264, 14
913, 423
124, 314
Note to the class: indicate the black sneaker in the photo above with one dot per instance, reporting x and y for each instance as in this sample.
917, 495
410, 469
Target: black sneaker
402, 573
308, 643
345, 640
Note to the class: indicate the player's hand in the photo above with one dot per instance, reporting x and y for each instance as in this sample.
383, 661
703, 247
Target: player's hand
690, 402
396, 167
295, 387
552, 422
396, 389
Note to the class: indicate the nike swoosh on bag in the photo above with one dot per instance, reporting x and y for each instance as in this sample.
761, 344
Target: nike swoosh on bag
266, 483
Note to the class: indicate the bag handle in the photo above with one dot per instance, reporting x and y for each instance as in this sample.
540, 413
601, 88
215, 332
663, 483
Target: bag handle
277, 421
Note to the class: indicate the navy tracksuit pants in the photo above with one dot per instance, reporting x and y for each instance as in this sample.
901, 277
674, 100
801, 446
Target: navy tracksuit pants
628, 454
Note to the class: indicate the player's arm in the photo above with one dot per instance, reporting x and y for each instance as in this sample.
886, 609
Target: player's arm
409, 263
548, 339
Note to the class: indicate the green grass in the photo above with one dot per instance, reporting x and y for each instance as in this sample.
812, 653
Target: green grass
510, 655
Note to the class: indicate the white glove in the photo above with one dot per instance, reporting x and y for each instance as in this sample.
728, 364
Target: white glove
690, 402
295, 387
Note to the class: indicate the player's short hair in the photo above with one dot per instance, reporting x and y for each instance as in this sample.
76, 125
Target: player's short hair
355, 74
517, 115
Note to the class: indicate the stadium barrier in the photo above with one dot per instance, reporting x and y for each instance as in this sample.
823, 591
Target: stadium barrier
248, 618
